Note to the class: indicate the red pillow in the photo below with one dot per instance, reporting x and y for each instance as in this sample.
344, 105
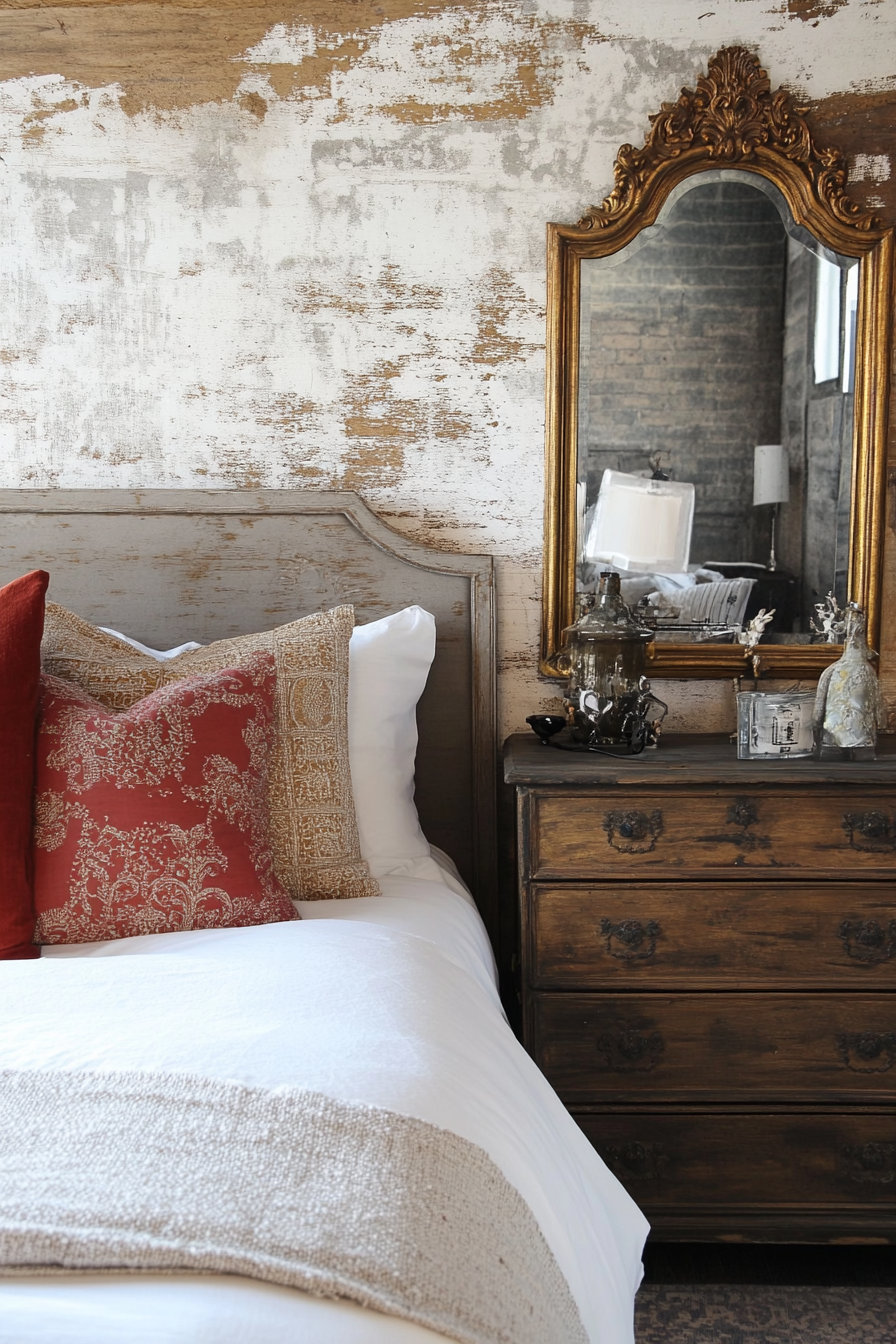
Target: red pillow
21, 627
156, 819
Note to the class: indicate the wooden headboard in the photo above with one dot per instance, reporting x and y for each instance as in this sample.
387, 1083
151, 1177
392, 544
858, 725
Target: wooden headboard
166, 566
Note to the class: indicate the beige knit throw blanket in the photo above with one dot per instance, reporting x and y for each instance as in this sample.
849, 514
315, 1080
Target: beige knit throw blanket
173, 1172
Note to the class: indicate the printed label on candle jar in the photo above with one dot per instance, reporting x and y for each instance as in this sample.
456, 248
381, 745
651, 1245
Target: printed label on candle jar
774, 725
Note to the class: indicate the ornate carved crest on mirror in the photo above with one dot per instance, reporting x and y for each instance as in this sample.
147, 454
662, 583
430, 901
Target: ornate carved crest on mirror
683, 418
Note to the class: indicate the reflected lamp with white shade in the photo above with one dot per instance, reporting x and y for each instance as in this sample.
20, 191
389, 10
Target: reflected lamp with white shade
641, 524
771, 484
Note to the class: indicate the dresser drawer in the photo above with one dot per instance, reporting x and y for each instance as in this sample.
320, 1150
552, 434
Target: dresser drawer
598, 1048
680, 1162
639, 831
712, 934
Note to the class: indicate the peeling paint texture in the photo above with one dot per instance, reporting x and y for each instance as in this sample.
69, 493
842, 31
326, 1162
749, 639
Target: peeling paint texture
303, 245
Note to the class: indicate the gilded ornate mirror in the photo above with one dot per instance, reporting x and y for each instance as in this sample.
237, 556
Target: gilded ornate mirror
717, 367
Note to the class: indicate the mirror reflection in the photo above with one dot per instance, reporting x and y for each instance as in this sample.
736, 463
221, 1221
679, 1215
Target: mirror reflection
715, 415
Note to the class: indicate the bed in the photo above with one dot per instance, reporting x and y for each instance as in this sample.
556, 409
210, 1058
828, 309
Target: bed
382, 1009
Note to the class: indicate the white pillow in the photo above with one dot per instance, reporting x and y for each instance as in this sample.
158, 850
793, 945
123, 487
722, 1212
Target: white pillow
723, 602
389, 661
160, 655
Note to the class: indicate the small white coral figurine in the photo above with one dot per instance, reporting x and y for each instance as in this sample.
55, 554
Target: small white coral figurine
831, 620
849, 707
751, 636
756, 629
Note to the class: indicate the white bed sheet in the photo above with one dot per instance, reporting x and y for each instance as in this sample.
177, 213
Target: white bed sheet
389, 1000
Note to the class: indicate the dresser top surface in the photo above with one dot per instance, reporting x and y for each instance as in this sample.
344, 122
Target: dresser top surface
685, 759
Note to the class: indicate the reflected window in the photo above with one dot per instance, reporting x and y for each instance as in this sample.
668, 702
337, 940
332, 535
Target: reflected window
850, 305
827, 321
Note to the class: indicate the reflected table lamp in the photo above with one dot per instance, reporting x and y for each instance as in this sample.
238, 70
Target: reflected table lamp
771, 484
641, 524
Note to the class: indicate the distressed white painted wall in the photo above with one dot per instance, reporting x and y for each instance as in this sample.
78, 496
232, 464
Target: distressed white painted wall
345, 286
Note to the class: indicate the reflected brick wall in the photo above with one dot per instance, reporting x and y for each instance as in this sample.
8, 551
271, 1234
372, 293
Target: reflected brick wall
684, 356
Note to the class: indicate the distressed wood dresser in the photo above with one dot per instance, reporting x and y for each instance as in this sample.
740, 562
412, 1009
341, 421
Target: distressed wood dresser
708, 979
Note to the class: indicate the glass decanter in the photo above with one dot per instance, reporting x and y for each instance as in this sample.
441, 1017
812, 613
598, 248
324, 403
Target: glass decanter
604, 653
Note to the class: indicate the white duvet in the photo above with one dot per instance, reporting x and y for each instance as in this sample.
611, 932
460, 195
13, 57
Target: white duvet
390, 1001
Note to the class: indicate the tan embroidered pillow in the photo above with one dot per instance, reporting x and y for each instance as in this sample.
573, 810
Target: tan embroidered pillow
313, 831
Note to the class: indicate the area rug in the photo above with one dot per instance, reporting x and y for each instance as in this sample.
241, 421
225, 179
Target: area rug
758, 1314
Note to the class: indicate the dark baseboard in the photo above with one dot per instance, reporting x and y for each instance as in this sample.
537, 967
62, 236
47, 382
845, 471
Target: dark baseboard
822, 1266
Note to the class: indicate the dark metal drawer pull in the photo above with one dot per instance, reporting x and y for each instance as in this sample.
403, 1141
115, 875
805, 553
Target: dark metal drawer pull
868, 942
870, 1163
867, 1051
636, 1161
630, 940
633, 832
869, 832
628, 1052
742, 814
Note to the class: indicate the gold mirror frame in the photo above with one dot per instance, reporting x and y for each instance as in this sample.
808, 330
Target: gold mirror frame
731, 120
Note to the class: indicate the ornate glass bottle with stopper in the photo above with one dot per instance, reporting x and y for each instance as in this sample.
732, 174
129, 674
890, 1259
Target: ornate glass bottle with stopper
849, 707
608, 698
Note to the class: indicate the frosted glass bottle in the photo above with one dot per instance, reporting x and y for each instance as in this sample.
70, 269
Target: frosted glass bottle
849, 707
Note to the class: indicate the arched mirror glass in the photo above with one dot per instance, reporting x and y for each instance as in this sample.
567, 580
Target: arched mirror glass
723, 327
717, 339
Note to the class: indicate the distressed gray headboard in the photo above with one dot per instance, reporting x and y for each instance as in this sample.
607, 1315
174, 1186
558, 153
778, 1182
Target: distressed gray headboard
170, 565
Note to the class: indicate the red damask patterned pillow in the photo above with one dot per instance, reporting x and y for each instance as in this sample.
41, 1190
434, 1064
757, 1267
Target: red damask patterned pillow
156, 819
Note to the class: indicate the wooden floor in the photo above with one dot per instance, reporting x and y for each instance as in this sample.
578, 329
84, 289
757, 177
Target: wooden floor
823, 1266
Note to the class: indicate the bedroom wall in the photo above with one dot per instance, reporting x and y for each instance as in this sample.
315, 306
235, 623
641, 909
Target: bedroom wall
303, 244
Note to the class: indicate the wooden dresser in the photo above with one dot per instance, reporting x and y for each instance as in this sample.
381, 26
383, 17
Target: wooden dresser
708, 978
